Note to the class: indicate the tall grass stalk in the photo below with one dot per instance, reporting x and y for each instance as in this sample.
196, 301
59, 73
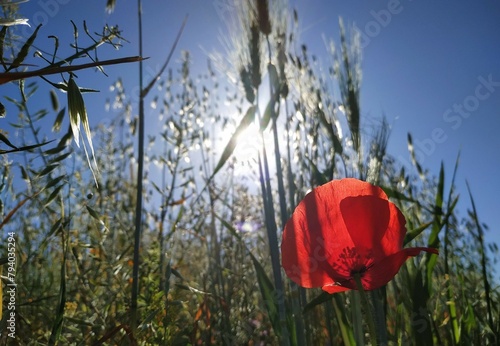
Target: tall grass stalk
272, 234
274, 97
484, 270
140, 163
140, 182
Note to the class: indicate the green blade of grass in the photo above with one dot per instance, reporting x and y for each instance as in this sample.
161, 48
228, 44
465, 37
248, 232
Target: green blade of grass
451, 303
484, 272
266, 286
267, 116
413, 156
318, 300
233, 141
415, 232
437, 226
59, 319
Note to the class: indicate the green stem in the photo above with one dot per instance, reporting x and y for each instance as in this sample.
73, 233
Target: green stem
139, 201
378, 299
366, 302
357, 321
345, 329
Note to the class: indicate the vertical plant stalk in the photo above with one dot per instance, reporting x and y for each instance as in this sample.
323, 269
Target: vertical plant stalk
59, 319
369, 316
487, 287
140, 162
345, 329
140, 173
275, 94
456, 329
216, 268
378, 298
357, 321
273, 243
165, 199
349, 84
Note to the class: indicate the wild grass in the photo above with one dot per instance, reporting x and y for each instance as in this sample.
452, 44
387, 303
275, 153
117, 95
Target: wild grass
204, 269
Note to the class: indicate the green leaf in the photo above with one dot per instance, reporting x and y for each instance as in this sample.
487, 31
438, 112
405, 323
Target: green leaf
55, 150
484, 263
415, 232
93, 213
53, 195
268, 114
76, 109
96, 216
340, 312
233, 141
24, 50
55, 227
149, 318
6, 141
320, 177
273, 78
176, 273
2, 38
269, 294
110, 5
58, 321
55, 181
77, 113
48, 169
266, 286
337, 145
54, 100
392, 193
320, 299
438, 211
247, 85
24, 174
60, 158
440, 190
26, 148
411, 149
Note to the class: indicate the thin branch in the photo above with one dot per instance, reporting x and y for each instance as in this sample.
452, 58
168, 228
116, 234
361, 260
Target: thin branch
12, 76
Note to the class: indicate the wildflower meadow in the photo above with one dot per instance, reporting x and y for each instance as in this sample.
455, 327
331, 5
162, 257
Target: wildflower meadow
242, 203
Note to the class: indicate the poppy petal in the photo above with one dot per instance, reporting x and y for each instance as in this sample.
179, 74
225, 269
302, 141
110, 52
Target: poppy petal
366, 219
383, 271
337, 190
393, 239
334, 288
307, 245
376, 226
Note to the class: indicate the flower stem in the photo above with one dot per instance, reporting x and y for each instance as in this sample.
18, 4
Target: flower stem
357, 321
366, 302
378, 297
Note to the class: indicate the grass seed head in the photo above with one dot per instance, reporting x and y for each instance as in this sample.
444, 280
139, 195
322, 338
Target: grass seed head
263, 17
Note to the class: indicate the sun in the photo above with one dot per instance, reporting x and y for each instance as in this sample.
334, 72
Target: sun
249, 144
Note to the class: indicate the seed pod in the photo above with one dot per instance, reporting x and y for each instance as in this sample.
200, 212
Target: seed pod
263, 17
255, 55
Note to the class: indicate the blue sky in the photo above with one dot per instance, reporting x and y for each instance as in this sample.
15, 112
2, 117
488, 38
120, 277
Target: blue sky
432, 67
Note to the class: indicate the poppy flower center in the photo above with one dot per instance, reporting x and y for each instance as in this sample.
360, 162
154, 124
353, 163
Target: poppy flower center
361, 270
351, 262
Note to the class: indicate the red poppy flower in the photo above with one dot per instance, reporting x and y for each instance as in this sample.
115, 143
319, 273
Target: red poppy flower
343, 228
